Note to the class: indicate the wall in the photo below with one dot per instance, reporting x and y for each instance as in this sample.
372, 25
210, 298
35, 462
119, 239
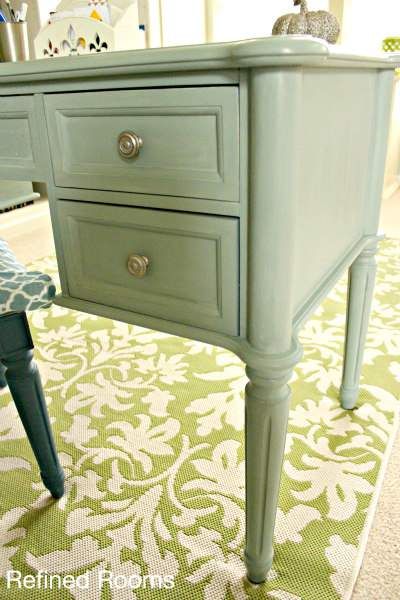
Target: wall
367, 22
392, 174
197, 21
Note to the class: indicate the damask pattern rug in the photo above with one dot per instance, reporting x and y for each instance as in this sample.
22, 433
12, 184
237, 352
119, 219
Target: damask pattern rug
149, 429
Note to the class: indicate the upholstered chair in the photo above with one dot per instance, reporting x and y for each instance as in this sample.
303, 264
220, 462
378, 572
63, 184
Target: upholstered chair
20, 291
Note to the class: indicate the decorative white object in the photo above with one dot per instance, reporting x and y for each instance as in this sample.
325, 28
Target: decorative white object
91, 26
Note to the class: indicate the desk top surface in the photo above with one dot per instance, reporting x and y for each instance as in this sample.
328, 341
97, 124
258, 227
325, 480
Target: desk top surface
273, 51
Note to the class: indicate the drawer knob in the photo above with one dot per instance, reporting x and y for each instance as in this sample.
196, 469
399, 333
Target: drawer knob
129, 144
138, 265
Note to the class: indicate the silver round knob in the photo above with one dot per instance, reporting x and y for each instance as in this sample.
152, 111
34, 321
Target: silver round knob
129, 144
138, 265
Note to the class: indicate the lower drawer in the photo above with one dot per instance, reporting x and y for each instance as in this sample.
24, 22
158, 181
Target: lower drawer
177, 266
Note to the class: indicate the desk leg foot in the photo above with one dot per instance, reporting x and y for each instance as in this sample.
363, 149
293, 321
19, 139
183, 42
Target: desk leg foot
359, 300
267, 406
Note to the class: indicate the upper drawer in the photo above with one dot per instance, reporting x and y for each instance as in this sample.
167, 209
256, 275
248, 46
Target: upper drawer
20, 139
190, 141
177, 266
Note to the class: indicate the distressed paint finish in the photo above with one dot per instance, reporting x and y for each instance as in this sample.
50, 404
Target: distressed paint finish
286, 185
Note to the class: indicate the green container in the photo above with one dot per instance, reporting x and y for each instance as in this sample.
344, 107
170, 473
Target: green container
391, 44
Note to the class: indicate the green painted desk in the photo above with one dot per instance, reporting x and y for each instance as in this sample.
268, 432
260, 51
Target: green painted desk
15, 193
215, 192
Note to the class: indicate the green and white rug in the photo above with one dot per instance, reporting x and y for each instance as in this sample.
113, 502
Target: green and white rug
149, 429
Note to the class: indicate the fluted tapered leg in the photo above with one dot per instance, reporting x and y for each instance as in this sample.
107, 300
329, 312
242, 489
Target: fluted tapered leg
359, 300
267, 406
26, 389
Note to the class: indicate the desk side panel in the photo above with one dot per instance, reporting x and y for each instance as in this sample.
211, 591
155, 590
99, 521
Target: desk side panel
341, 169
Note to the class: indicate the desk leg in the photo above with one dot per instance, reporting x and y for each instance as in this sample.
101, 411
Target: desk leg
26, 389
267, 407
25, 386
359, 300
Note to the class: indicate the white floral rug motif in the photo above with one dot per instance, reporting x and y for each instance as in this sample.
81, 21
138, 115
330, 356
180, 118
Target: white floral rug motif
149, 429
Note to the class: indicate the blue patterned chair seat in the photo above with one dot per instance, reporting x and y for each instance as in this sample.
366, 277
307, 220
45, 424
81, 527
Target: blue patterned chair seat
22, 290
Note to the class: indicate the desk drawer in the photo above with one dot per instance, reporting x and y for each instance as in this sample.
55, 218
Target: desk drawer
191, 275
190, 141
20, 156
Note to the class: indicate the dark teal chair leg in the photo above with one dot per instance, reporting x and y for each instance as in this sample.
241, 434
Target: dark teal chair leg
23, 379
3, 382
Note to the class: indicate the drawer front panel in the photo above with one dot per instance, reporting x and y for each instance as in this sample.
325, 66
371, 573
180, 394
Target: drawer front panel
192, 272
19, 157
190, 141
